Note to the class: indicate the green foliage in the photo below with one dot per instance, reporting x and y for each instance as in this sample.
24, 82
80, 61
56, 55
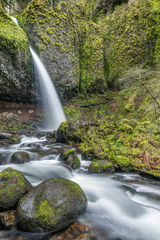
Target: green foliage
117, 142
72, 112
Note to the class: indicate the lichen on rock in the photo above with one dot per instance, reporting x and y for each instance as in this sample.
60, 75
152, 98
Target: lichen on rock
51, 205
13, 185
70, 158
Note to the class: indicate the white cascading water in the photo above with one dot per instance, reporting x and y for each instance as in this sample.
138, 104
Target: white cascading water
52, 105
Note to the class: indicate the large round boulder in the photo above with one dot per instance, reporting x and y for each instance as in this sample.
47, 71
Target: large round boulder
13, 185
20, 157
50, 206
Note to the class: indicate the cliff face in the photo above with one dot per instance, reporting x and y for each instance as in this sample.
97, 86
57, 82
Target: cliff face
69, 44
85, 45
16, 79
132, 40
52, 33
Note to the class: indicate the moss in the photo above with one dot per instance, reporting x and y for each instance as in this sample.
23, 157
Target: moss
53, 26
131, 36
126, 128
70, 131
66, 28
76, 162
100, 166
91, 58
13, 187
123, 162
68, 152
45, 212
12, 36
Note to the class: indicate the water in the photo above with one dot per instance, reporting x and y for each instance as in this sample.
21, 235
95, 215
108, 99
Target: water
124, 206
52, 105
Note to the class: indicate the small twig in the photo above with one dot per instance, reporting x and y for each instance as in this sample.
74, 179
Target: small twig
140, 78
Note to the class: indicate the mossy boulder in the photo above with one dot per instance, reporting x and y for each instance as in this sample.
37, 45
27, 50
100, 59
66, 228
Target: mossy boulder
124, 163
20, 157
13, 185
50, 206
70, 158
71, 131
100, 167
16, 78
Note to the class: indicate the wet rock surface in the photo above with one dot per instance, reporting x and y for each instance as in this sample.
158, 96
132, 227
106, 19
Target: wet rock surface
20, 157
100, 167
13, 185
50, 206
70, 158
16, 77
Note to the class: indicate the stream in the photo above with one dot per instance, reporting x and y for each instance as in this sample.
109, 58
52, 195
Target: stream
121, 206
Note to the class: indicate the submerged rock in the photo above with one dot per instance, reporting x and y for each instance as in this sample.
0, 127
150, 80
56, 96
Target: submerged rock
101, 166
13, 185
20, 157
70, 158
51, 205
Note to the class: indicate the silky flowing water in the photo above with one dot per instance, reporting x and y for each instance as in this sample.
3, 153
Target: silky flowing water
54, 114
120, 206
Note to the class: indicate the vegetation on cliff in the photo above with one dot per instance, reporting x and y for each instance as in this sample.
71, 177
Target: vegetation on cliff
12, 37
132, 38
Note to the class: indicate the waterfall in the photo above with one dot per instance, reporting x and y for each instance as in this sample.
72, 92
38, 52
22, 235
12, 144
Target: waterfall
52, 105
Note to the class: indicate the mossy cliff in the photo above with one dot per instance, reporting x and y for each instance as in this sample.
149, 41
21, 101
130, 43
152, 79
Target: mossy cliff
69, 44
15, 62
132, 38
51, 32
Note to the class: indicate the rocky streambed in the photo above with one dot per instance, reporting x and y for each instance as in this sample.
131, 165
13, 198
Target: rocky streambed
120, 206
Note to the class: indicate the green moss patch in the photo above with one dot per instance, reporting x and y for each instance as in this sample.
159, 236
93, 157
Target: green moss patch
12, 36
132, 37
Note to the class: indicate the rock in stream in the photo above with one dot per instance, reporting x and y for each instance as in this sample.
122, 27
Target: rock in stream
52, 205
